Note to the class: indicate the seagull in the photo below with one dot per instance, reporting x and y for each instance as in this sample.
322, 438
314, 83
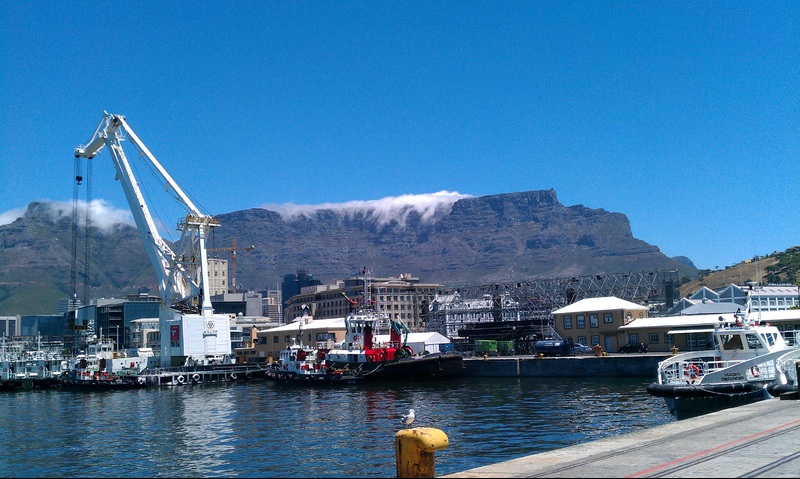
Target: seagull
408, 418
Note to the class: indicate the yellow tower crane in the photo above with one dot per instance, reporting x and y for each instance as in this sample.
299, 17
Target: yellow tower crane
232, 249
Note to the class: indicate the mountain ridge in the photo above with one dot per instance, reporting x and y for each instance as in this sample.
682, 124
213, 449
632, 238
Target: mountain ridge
479, 240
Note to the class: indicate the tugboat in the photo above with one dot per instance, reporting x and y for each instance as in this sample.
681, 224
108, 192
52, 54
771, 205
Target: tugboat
92, 371
303, 365
393, 359
747, 362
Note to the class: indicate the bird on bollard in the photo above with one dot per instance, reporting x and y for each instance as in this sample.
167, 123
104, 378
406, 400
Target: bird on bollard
408, 418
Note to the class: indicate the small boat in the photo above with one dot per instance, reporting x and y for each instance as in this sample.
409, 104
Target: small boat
30, 369
300, 364
749, 360
92, 371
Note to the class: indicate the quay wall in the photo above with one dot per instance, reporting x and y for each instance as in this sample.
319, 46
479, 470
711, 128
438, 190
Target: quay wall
644, 365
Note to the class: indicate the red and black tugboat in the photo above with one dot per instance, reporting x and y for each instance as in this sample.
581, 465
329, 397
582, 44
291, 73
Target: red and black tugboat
381, 356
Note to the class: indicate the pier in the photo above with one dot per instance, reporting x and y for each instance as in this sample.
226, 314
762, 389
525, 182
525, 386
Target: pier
756, 440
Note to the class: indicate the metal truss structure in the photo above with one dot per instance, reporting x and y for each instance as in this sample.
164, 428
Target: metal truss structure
535, 300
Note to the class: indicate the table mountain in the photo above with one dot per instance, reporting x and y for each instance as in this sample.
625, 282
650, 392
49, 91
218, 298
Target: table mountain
473, 241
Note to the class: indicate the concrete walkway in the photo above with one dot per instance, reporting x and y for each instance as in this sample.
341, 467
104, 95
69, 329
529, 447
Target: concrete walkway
756, 440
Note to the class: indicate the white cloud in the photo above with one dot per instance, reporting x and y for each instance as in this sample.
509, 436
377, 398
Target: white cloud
103, 214
11, 215
383, 211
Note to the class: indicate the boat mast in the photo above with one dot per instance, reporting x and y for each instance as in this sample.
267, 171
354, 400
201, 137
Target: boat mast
367, 287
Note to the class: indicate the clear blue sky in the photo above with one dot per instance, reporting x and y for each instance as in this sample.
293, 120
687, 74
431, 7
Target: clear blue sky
684, 116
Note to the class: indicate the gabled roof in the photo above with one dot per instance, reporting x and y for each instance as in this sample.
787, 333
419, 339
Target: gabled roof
606, 303
705, 293
711, 307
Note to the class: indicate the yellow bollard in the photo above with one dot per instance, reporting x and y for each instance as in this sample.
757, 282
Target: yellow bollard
414, 450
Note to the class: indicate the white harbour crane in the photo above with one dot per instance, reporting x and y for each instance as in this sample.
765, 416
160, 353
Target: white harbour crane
190, 331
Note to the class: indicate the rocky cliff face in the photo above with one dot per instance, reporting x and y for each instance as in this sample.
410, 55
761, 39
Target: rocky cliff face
516, 236
479, 240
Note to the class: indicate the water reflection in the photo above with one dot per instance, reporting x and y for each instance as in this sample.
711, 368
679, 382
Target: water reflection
262, 429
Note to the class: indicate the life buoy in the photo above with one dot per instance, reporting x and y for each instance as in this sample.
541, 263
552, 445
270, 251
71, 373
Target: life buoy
233, 376
141, 380
248, 375
691, 371
196, 377
755, 371
181, 379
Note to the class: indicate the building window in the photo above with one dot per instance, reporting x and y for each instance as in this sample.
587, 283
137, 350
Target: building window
595, 340
582, 340
593, 322
653, 338
580, 321
275, 339
668, 338
568, 321
608, 318
634, 338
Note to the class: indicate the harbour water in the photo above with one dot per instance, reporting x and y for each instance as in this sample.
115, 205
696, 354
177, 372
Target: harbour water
264, 429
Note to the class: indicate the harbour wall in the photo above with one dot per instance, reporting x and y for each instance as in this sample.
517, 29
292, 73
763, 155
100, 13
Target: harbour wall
644, 365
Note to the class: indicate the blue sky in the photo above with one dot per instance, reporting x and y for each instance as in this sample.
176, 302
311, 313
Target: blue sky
684, 116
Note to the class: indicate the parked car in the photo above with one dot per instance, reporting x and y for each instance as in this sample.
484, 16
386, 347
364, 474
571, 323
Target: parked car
551, 347
579, 348
634, 347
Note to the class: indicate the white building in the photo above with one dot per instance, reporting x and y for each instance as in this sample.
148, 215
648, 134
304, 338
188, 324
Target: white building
764, 298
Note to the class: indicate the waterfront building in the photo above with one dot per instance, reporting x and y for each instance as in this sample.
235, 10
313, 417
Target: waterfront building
217, 276
772, 297
292, 285
597, 321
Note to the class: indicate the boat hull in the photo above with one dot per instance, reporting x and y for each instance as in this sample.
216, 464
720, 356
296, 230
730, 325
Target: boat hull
27, 384
690, 400
102, 384
313, 379
431, 366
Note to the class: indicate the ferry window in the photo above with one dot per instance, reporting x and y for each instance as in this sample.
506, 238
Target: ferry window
608, 318
580, 321
731, 342
752, 341
593, 322
568, 321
